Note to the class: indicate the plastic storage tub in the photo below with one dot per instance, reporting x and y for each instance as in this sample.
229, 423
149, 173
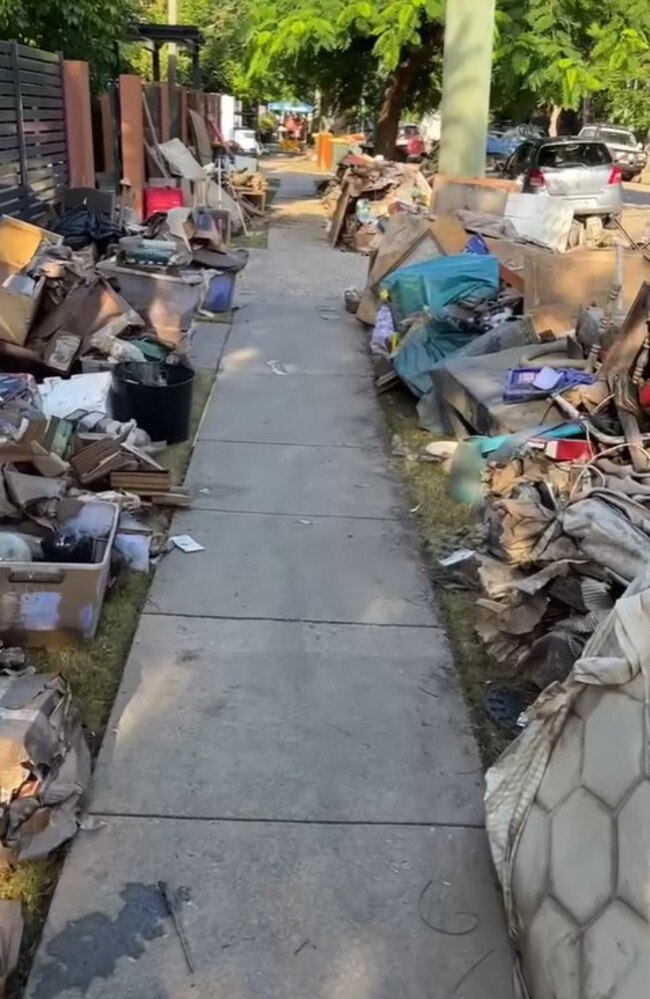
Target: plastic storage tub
42, 602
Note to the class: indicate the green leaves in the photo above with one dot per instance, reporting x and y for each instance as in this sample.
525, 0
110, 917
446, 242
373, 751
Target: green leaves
84, 29
562, 51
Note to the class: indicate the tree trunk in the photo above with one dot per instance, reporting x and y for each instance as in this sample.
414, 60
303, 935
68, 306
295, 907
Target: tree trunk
398, 86
393, 95
556, 111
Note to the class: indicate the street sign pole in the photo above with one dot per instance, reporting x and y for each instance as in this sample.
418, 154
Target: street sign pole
467, 73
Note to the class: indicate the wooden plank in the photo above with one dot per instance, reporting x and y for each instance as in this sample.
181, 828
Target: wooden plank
40, 155
30, 79
41, 162
47, 170
10, 202
38, 114
38, 79
39, 54
47, 69
51, 178
9, 170
132, 130
9, 155
45, 128
47, 143
9, 145
28, 90
39, 101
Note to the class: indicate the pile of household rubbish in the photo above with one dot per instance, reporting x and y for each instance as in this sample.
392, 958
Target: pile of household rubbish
94, 330
92, 291
530, 364
366, 193
95, 381
539, 367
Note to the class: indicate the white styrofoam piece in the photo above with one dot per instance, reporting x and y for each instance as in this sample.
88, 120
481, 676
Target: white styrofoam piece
540, 218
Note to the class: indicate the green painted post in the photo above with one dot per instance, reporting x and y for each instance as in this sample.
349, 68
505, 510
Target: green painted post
467, 72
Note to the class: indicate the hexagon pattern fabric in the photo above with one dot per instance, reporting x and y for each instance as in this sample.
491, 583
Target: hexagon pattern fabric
581, 874
575, 864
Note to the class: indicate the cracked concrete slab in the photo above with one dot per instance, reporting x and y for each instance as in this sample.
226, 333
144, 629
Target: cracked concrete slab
294, 479
206, 342
293, 409
251, 731
275, 912
294, 568
262, 334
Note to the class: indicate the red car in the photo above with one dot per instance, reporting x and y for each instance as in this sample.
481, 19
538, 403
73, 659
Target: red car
409, 144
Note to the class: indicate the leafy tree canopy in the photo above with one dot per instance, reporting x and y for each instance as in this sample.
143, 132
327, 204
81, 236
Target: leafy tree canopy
561, 52
83, 29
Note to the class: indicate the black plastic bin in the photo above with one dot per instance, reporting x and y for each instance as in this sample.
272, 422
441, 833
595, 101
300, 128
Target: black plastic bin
157, 396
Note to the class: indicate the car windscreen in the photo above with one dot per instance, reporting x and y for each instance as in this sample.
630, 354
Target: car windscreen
617, 138
568, 154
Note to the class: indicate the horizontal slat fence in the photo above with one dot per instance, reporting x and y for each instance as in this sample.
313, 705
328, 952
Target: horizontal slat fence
33, 148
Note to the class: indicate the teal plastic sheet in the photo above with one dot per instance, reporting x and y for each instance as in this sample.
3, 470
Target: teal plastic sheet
424, 346
433, 284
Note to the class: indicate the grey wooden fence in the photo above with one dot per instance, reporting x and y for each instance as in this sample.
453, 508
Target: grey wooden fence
33, 150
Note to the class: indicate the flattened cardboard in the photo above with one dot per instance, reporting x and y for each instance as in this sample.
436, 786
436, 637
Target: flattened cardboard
42, 753
19, 244
86, 309
582, 277
476, 194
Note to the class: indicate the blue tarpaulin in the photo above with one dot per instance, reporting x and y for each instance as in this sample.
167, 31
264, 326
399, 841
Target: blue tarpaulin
426, 344
435, 283
429, 287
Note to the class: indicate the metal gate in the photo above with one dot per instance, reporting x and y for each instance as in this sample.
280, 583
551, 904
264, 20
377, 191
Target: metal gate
33, 149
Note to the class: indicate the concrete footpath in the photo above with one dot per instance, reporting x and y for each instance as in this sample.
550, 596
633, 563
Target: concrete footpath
289, 750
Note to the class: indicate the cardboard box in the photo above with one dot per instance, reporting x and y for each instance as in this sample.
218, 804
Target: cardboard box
19, 295
166, 301
42, 602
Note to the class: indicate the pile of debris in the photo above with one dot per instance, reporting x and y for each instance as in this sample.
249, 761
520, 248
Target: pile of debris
531, 348
366, 194
542, 360
132, 297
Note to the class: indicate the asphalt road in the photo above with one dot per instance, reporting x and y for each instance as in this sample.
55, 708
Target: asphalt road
637, 194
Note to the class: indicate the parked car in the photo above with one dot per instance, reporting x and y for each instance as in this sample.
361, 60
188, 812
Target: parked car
579, 171
621, 142
503, 140
409, 144
245, 140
